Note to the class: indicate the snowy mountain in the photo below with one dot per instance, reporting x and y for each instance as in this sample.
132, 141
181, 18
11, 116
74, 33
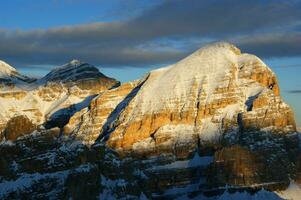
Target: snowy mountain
211, 126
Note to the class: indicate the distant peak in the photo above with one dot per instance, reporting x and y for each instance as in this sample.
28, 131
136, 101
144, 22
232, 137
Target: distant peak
73, 71
75, 62
72, 64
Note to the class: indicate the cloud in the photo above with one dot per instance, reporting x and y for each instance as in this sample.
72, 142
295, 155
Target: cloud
294, 91
217, 18
272, 45
165, 33
97, 43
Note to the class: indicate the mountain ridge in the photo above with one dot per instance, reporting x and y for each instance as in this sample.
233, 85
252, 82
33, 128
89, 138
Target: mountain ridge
211, 123
6, 68
40, 99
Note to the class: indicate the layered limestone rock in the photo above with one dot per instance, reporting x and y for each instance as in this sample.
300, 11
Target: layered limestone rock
18, 126
86, 124
269, 112
215, 90
52, 100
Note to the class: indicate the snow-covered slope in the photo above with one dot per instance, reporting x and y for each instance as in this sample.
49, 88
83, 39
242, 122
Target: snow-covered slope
10, 78
206, 69
6, 69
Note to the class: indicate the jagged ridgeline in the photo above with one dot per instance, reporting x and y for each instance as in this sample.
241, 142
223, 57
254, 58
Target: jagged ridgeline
211, 125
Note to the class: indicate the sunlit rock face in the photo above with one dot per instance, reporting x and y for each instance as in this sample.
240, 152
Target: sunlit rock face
18, 126
53, 99
214, 91
87, 124
255, 159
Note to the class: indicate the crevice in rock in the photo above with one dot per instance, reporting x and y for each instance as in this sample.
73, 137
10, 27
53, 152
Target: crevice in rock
240, 125
198, 105
250, 100
152, 135
111, 124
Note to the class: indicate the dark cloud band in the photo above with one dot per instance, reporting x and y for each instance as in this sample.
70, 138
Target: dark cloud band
266, 28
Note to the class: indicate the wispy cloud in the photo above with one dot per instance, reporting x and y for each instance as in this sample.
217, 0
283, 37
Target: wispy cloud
294, 91
288, 65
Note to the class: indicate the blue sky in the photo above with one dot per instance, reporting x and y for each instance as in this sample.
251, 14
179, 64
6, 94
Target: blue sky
129, 38
33, 14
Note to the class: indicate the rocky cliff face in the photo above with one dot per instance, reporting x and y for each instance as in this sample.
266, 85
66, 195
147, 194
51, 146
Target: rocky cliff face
103, 109
213, 122
215, 91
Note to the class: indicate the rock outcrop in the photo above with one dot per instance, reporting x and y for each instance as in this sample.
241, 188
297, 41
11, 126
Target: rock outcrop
18, 126
86, 124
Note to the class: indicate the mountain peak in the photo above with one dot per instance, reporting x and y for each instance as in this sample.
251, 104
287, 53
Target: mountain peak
217, 50
9, 74
206, 68
75, 62
77, 71
221, 46
72, 64
6, 69
70, 71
